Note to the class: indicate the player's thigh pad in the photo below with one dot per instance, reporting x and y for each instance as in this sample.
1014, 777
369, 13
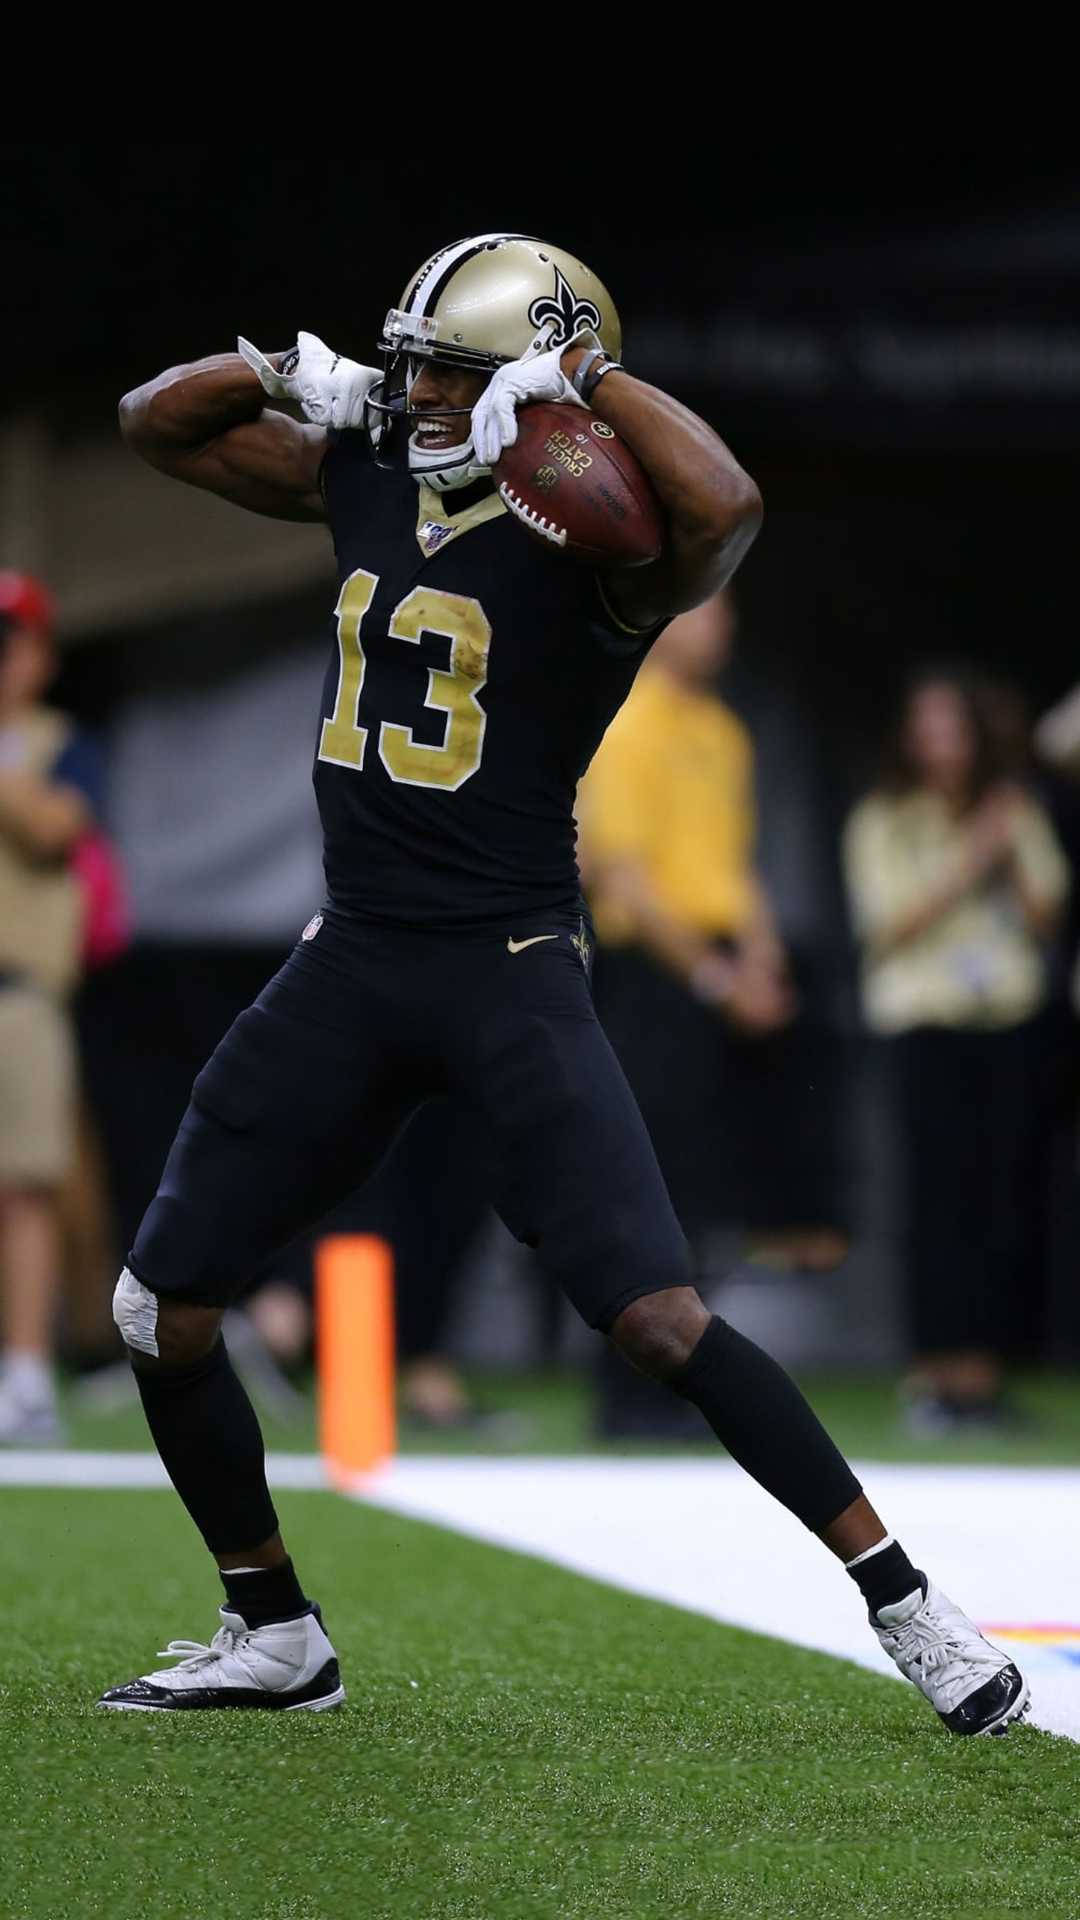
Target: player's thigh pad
281, 1124
578, 1178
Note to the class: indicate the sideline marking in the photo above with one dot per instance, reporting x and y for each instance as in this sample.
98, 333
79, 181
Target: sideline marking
700, 1535
54, 1467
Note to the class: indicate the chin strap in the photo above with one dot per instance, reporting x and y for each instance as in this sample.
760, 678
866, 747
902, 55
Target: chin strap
429, 467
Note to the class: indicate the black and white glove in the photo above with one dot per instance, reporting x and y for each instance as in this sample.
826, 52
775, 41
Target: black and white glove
329, 389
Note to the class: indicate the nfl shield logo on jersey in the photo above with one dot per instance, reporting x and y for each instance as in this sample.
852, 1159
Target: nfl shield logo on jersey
312, 927
432, 533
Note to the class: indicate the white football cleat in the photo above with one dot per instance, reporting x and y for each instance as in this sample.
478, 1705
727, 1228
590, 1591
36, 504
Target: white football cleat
289, 1664
973, 1686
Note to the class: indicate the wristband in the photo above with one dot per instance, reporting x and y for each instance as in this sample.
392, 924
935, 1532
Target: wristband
590, 370
590, 384
577, 378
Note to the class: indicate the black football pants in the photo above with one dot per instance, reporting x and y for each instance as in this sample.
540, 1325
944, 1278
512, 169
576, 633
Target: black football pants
310, 1086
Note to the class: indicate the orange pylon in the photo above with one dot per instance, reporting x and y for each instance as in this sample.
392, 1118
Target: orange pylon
354, 1322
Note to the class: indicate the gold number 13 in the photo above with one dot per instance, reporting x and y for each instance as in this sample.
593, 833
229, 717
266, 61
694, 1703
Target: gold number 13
454, 691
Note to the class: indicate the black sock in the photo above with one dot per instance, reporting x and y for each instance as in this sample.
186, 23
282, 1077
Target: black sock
762, 1419
887, 1576
205, 1430
263, 1594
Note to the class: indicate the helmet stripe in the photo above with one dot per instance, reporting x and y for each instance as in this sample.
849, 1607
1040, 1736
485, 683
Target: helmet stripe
423, 274
427, 289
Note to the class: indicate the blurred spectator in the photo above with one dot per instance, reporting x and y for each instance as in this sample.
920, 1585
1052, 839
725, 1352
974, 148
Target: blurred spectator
957, 880
1057, 735
47, 782
1057, 742
1057, 739
694, 983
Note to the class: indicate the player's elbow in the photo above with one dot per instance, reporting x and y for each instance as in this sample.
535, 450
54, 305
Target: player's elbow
133, 415
734, 529
736, 509
751, 505
145, 425
722, 517
714, 539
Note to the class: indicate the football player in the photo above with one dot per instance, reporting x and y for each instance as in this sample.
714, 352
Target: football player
473, 675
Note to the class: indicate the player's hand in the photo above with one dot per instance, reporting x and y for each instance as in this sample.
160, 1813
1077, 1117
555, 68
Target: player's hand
329, 389
494, 417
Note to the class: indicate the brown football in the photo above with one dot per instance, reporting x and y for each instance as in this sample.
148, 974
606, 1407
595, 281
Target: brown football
574, 485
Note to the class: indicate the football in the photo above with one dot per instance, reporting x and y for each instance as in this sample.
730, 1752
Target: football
574, 485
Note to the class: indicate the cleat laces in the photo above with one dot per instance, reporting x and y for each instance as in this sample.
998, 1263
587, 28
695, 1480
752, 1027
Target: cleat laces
945, 1656
923, 1650
196, 1653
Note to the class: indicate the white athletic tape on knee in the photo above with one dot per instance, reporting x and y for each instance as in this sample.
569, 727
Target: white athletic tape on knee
135, 1311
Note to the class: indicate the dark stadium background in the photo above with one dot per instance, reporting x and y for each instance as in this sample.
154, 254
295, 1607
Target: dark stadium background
890, 340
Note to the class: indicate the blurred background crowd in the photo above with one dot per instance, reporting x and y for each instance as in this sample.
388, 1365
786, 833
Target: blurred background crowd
830, 846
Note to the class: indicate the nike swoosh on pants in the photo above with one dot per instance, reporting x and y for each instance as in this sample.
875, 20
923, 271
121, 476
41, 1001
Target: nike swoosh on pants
518, 946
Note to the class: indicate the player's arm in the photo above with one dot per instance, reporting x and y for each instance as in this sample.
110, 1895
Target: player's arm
713, 507
208, 424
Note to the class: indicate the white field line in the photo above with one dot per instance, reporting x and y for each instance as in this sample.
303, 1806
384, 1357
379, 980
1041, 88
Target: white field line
1001, 1541
53, 1467
698, 1534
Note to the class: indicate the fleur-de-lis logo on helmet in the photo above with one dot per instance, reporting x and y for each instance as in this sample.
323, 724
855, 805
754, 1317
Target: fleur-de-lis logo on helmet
568, 312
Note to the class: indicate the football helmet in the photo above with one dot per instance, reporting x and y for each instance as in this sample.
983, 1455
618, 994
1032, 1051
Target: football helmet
478, 304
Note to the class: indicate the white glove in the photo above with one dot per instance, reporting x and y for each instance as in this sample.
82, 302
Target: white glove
330, 389
494, 417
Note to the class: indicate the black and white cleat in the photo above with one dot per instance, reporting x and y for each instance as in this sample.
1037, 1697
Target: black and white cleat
289, 1665
973, 1687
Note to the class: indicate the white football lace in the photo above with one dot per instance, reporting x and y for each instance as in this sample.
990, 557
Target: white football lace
927, 1651
533, 519
194, 1653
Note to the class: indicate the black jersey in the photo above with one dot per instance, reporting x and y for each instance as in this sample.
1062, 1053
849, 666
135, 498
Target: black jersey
471, 682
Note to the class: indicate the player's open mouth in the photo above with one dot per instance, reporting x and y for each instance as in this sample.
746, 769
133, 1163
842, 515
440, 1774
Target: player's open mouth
435, 433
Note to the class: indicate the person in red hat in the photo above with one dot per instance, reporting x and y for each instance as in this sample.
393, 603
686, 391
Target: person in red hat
45, 812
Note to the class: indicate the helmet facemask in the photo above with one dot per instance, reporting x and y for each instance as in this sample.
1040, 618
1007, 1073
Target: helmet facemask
478, 304
388, 416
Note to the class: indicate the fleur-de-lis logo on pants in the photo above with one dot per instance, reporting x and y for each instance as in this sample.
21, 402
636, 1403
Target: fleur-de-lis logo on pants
580, 942
568, 313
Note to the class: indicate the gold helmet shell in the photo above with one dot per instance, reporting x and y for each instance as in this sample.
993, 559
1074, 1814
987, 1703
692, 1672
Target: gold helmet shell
496, 297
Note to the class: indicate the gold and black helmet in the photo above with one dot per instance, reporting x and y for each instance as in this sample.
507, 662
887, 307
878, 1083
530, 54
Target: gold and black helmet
479, 303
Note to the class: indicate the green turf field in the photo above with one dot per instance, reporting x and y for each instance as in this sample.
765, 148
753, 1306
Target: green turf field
517, 1742
551, 1413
